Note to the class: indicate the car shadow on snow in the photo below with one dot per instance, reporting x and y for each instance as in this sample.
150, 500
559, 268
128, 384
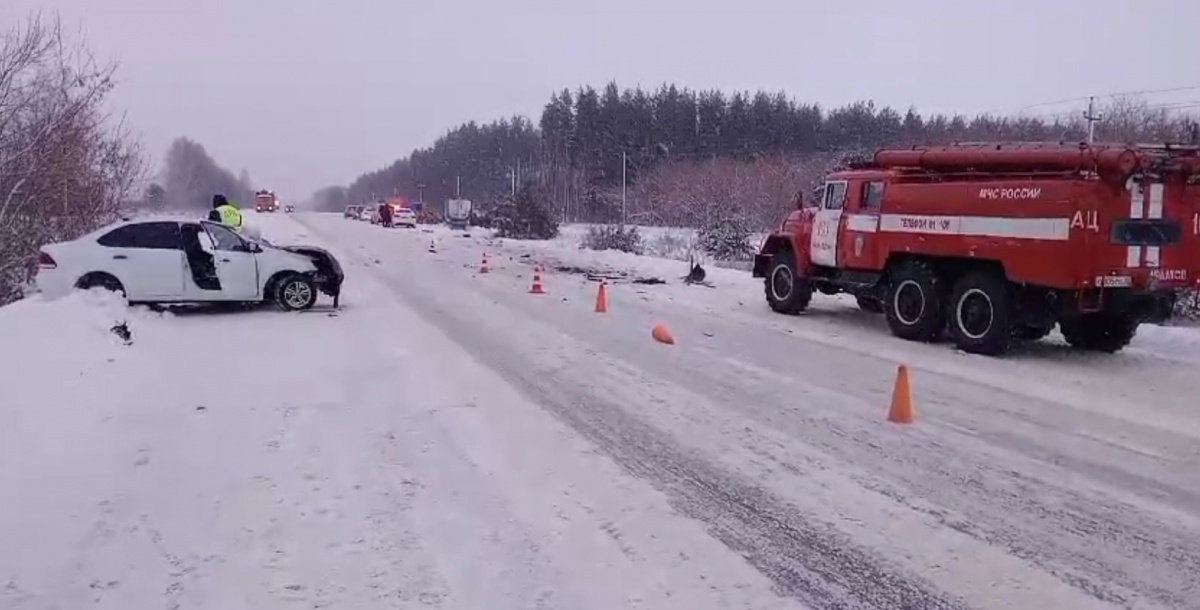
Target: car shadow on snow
218, 309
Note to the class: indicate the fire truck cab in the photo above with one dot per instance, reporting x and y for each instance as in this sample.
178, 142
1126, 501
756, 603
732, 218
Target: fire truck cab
997, 243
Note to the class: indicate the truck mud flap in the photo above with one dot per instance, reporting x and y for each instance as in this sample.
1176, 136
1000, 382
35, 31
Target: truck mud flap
762, 263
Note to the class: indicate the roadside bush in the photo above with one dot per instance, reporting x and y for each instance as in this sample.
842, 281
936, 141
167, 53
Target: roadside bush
614, 237
726, 239
527, 216
677, 244
65, 168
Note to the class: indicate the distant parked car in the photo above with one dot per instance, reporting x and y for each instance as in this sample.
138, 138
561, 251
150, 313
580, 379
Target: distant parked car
352, 211
404, 217
289, 208
365, 212
165, 260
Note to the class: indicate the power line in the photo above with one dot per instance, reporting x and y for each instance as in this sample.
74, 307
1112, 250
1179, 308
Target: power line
1174, 105
1110, 96
1185, 105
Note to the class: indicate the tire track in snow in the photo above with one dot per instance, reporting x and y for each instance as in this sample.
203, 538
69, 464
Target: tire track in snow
812, 564
819, 568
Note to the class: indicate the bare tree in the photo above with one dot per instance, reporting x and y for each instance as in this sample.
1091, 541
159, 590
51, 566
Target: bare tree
66, 167
698, 193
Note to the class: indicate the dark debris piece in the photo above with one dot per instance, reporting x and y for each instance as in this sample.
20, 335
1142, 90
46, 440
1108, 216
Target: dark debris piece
121, 329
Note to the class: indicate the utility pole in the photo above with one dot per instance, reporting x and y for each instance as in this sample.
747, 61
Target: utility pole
458, 187
624, 162
512, 175
1092, 118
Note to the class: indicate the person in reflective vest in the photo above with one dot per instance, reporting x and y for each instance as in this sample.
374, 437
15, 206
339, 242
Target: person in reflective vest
225, 213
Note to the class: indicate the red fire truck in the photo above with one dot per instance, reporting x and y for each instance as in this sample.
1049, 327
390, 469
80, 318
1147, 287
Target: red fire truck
265, 201
997, 243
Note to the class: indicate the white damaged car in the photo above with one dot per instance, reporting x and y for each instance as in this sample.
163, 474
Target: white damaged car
182, 260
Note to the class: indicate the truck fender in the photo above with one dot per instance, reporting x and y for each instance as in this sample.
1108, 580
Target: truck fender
773, 244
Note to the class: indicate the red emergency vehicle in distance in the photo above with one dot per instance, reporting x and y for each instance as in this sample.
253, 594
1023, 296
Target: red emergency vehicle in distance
998, 242
265, 201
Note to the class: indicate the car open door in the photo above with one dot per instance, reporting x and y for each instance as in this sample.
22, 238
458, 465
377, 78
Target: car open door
237, 266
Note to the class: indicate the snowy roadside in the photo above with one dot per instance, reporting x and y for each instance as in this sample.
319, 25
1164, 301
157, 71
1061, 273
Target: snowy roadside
257, 459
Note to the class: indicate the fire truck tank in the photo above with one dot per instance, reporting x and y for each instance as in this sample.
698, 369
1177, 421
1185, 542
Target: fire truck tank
998, 157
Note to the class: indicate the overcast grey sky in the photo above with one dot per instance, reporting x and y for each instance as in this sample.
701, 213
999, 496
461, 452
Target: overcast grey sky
305, 93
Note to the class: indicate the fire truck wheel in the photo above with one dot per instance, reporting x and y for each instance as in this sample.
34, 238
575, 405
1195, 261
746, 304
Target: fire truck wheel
787, 293
914, 303
981, 314
1099, 332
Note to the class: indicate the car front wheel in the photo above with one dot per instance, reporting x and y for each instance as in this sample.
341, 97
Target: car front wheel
295, 293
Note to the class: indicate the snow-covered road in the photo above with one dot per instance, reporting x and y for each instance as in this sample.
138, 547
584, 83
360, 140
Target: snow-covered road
451, 441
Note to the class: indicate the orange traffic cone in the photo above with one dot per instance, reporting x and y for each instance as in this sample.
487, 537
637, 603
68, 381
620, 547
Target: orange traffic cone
483, 267
662, 335
901, 411
537, 281
602, 298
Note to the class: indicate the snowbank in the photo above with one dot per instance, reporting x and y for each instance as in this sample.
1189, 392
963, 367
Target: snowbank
74, 328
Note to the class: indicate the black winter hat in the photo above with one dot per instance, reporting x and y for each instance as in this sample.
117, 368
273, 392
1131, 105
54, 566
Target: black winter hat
219, 200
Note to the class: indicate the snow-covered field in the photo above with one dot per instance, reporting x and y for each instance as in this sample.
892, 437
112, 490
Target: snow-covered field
448, 440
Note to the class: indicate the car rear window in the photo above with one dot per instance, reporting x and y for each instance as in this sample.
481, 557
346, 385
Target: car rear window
147, 235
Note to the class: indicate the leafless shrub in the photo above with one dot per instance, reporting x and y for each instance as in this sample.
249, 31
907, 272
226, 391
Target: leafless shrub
625, 238
65, 166
713, 192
